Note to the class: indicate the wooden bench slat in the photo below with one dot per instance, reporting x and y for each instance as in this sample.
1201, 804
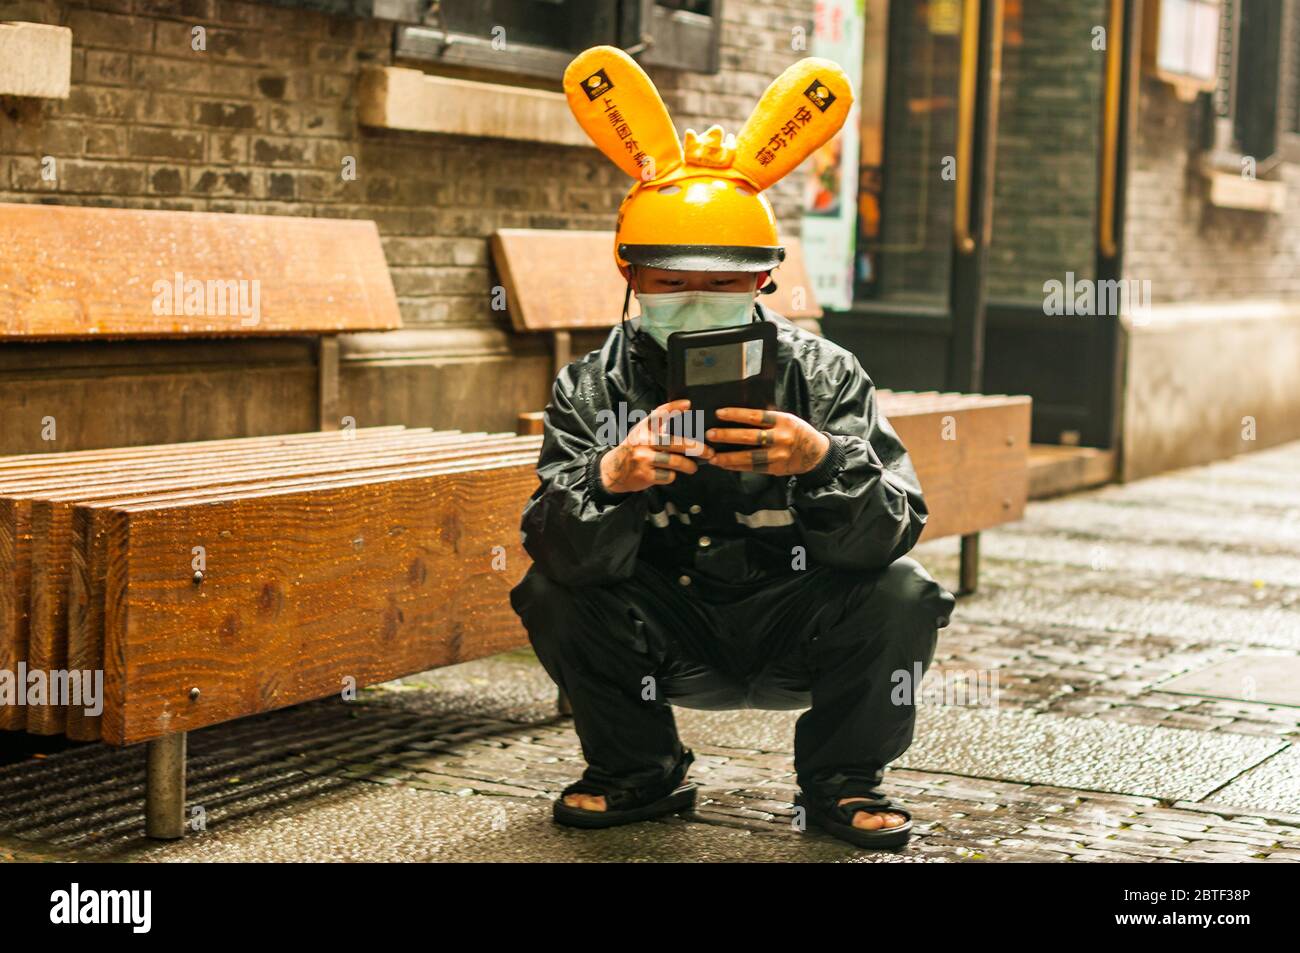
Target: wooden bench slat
62, 477
895, 403
51, 526
102, 457
980, 477
293, 603
86, 582
20, 540
76, 272
551, 284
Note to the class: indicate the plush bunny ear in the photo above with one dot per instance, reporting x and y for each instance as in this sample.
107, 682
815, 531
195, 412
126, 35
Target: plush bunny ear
802, 109
615, 102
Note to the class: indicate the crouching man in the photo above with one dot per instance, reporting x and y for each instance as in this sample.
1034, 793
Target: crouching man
667, 573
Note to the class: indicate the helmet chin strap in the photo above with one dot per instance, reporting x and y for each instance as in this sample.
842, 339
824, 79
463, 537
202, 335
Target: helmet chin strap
627, 298
627, 301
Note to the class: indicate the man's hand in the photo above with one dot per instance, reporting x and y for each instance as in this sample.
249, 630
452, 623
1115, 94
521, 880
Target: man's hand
650, 455
786, 445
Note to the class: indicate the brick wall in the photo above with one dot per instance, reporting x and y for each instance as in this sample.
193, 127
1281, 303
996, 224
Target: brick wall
1047, 177
262, 121
1224, 346
1189, 249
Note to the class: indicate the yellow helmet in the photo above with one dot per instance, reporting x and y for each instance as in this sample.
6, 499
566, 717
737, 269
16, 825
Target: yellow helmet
701, 207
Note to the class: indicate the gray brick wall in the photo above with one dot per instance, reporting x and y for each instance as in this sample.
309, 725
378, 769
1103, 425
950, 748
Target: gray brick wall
261, 121
1189, 249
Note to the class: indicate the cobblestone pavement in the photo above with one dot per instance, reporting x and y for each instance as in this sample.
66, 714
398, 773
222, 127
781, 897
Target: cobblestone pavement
1087, 609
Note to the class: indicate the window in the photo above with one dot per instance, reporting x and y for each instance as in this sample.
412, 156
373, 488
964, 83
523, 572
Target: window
530, 37
538, 38
1232, 50
1250, 107
681, 33
1242, 136
907, 117
1293, 73
1180, 44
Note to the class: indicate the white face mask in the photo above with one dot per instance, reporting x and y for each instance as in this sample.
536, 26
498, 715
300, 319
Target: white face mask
662, 314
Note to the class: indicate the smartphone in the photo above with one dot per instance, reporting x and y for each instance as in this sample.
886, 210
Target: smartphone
729, 367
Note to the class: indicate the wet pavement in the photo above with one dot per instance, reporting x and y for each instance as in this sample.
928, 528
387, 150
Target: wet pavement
1088, 610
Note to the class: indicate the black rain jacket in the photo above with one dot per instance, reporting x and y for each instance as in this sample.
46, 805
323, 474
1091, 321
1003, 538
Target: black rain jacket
725, 531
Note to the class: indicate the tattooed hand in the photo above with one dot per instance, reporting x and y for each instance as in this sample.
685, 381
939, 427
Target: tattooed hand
787, 445
650, 455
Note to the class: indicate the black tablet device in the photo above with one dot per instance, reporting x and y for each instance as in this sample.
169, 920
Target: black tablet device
730, 367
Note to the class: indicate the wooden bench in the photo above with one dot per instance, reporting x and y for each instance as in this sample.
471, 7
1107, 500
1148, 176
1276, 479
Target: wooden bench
971, 451
557, 282
214, 580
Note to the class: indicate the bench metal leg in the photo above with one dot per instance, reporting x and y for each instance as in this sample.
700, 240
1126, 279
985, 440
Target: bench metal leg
970, 564
562, 703
562, 349
327, 379
164, 805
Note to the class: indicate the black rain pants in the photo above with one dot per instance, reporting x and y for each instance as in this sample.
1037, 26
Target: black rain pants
837, 642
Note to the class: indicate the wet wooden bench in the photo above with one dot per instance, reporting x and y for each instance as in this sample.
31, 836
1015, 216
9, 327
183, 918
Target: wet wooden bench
559, 282
971, 451
215, 580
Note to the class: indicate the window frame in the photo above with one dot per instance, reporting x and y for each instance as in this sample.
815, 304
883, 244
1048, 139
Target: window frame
1186, 85
420, 36
1289, 94
654, 34
693, 39
1228, 123
1222, 153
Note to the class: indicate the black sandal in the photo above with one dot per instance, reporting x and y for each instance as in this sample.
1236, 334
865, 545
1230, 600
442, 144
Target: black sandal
836, 819
628, 805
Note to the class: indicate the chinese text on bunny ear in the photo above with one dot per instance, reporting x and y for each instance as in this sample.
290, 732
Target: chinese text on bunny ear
619, 108
701, 207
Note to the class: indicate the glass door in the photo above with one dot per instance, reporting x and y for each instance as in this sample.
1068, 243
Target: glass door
990, 165
908, 163
927, 115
